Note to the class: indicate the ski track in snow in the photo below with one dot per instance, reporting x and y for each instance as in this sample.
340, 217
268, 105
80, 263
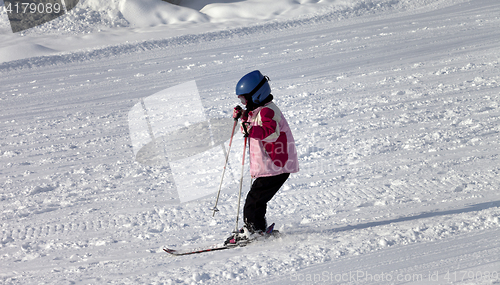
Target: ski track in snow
396, 120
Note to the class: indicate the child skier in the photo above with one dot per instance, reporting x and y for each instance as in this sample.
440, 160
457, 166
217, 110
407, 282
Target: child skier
272, 150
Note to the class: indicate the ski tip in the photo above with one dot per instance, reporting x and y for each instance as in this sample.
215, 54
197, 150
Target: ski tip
270, 229
172, 251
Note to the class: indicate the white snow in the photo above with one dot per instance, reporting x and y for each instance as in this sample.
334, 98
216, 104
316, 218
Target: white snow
394, 106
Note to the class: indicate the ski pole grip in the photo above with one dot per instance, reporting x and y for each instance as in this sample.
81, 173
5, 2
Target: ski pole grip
239, 110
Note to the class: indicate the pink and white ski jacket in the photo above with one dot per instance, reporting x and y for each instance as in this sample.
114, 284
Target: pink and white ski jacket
272, 147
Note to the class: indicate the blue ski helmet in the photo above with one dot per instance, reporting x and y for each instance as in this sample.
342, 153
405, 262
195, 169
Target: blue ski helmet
254, 85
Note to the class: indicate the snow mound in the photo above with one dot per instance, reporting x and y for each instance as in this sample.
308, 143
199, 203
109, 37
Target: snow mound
146, 13
95, 15
91, 16
10, 53
97, 23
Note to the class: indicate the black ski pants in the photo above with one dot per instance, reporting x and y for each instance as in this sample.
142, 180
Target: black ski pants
262, 191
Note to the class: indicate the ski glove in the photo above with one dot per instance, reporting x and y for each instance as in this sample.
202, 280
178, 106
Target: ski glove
246, 128
237, 112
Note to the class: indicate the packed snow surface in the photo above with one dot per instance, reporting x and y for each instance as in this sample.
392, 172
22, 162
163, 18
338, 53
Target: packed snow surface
394, 106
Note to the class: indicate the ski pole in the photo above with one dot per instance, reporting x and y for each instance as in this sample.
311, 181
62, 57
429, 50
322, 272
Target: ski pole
227, 158
224, 170
241, 183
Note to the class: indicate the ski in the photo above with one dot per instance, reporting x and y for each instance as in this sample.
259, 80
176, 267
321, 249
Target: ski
209, 249
269, 232
180, 253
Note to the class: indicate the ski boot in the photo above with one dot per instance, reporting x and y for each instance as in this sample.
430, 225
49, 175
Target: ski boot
245, 235
238, 238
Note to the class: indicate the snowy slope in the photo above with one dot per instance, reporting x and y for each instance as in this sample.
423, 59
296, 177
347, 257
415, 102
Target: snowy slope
395, 111
97, 23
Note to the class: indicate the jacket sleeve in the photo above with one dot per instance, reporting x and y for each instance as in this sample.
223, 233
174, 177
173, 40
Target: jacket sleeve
266, 127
